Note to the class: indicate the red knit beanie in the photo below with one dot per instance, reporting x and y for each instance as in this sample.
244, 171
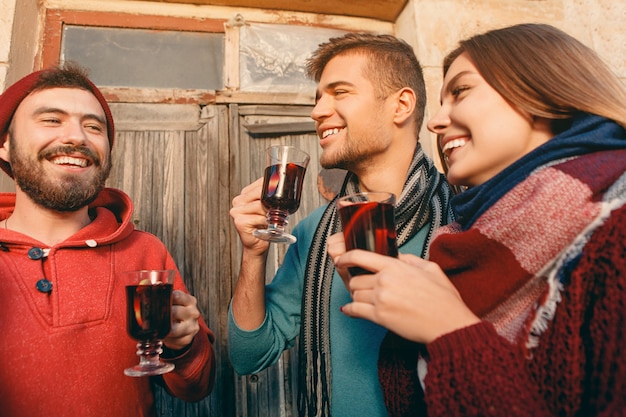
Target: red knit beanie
13, 96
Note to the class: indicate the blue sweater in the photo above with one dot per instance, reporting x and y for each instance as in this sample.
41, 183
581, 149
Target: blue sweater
355, 343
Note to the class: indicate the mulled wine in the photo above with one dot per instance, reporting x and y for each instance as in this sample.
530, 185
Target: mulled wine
148, 317
368, 225
148, 311
282, 187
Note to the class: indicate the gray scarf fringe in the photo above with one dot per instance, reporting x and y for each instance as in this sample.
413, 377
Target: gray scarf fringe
425, 199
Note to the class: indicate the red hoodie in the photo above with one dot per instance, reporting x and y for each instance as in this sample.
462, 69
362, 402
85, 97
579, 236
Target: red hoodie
64, 352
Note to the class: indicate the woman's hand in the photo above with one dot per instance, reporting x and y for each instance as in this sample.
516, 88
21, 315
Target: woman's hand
408, 295
336, 246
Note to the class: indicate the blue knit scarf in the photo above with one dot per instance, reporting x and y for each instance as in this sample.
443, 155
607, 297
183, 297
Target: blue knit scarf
587, 134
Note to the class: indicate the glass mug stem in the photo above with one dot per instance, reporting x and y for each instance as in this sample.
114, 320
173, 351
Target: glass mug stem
149, 352
277, 220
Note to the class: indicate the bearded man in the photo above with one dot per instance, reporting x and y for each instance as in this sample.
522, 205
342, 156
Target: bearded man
65, 240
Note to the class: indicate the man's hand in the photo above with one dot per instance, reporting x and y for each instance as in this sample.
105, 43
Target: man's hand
248, 215
185, 316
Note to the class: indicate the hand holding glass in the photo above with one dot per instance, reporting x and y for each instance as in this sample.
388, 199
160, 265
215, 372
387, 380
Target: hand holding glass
368, 221
282, 188
148, 312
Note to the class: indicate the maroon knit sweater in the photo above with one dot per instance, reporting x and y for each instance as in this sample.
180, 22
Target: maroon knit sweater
578, 369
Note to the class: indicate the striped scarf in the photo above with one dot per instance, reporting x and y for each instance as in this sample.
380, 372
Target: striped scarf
511, 265
503, 255
425, 199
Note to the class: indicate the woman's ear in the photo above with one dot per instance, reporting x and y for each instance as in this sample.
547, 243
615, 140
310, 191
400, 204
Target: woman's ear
405, 105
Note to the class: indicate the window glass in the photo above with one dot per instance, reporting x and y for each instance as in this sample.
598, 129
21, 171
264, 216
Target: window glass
120, 57
273, 57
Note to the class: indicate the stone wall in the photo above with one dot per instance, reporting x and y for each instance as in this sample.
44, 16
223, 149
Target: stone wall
6, 26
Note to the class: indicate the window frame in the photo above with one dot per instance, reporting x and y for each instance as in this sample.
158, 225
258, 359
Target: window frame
50, 52
56, 19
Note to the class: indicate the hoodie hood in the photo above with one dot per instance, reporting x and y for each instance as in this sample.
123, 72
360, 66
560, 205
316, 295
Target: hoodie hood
111, 212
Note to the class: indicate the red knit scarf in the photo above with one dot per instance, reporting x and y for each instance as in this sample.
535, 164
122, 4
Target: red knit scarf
512, 263
506, 266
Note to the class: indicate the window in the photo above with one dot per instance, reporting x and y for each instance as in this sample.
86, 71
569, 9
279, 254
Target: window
272, 57
138, 58
122, 57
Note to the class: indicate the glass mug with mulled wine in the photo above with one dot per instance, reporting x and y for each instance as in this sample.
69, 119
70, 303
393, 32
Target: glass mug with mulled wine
285, 167
148, 315
368, 221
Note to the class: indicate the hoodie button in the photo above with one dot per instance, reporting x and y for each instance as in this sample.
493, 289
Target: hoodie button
35, 253
44, 285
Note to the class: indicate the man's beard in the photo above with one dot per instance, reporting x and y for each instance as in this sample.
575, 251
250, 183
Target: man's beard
348, 157
67, 193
